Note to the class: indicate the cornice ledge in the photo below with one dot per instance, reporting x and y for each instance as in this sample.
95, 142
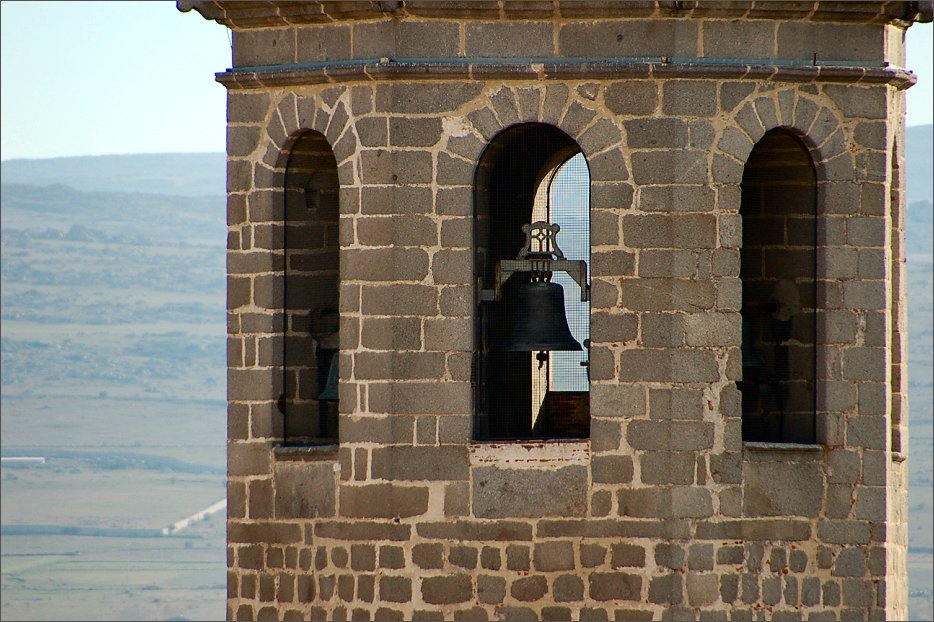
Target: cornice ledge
473, 69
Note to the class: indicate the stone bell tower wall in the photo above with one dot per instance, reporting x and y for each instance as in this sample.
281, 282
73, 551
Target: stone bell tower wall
663, 512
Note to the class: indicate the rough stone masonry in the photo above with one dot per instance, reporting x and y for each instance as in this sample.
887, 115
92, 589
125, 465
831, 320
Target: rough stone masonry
357, 133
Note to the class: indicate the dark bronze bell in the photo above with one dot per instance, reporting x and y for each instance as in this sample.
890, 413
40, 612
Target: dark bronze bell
540, 320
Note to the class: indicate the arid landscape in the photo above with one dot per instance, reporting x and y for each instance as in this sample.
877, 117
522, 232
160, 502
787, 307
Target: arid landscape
113, 372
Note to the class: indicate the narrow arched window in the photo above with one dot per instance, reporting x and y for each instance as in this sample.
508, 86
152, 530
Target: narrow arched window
779, 214
309, 402
532, 253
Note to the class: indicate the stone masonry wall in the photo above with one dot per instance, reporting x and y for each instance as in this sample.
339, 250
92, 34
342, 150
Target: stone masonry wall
663, 513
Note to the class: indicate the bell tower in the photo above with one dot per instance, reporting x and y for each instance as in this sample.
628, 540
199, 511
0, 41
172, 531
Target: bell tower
566, 310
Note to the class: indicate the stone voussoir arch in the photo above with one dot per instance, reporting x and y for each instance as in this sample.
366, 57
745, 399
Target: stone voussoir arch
817, 125
580, 117
295, 116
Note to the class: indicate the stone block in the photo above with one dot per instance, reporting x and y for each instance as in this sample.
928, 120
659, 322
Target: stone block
847, 532
529, 589
601, 503
604, 228
499, 531
383, 501
420, 398
248, 459
730, 555
491, 590
395, 589
712, 329
501, 493
736, 143
609, 166
870, 503
304, 490
412, 463
446, 590
674, 166
666, 590
463, 557
613, 327
617, 400
382, 167
858, 592
678, 501
676, 199
611, 469
576, 118
550, 556
703, 589
669, 263
373, 131
518, 557
592, 555
640, 37
677, 403
864, 364
604, 586
662, 330
670, 435
395, 365
454, 170
721, 38
666, 467
456, 232
690, 98
397, 230
451, 266
850, 562
393, 333
732, 93
456, 499
867, 431
782, 488
613, 263
424, 97
656, 133
363, 557
611, 195
392, 557
399, 300
414, 132
627, 556
490, 558
667, 295
599, 136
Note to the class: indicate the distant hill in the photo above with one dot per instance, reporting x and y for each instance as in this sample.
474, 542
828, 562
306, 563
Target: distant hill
196, 174
187, 174
918, 155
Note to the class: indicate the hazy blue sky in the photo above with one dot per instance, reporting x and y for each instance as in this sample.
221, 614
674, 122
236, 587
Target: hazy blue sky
90, 78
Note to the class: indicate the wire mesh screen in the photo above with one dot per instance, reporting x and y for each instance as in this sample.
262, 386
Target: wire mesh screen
531, 173
570, 209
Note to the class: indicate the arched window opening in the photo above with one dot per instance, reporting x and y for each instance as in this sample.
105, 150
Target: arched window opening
778, 273
532, 252
309, 402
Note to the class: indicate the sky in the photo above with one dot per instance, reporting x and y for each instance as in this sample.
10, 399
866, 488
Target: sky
95, 78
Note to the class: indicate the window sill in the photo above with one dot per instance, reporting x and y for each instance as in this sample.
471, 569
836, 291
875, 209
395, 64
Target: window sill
306, 453
783, 452
530, 453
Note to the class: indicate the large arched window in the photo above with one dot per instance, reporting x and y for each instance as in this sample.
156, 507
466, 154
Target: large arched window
531, 377
779, 213
311, 286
